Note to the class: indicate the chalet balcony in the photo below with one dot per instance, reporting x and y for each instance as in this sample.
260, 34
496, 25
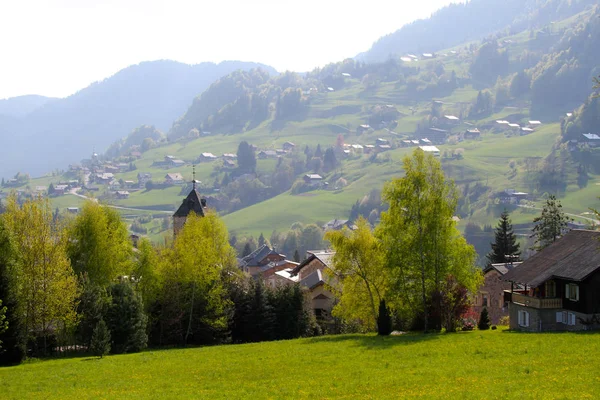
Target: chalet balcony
535, 302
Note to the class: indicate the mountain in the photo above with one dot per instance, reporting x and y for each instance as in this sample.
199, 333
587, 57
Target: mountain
462, 23
64, 131
20, 106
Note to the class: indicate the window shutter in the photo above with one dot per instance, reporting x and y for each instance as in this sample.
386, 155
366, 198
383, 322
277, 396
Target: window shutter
520, 318
559, 316
576, 287
572, 319
526, 318
567, 294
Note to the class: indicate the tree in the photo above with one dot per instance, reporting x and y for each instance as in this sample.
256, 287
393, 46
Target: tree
99, 244
384, 319
261, 240
329, 160
247, 250
296, 256
550, 225
93, 304
14, 336
3, 321
145, 271
318, 151
246, 157
100, 343
51, 190
126, 320
47, 288
421, 242
450, 303
358, 264
505, 247
484, 320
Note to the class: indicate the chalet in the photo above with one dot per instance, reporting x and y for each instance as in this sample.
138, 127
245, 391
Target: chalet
173, 179
228, 164
534, 123
451, 119
136, 154
426, 142
510, 196
337, 224
561, 286
111, 169
122, 194
207, 157
129, 184
229, 156
265, 262
313, 273
313, 179
104, 178
526, 131
280, 152
123, 167
73, 210
143, 178
471, 134
368, 148
437, 135
264, 154
362, 128
514, 126
379, 141
288, 146
357, 148
491, 294
60, 189
591, 139
431, 149
383, 147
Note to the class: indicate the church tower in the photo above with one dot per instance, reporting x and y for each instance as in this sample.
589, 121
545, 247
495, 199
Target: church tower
192, 203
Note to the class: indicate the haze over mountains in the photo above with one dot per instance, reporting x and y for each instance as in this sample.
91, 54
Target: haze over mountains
39, 134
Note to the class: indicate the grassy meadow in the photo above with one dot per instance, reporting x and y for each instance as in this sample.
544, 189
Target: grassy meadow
466, 365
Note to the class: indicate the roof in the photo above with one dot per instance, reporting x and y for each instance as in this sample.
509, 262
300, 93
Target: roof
502, 268
535, 122
313, 280
192, 202
591, 136
313, 176
430, 149
335, 223
573, 257
451, 117
254, 258
174, 176
324, 256
208, 155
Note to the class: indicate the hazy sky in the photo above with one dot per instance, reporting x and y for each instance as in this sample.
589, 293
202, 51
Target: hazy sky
56, 47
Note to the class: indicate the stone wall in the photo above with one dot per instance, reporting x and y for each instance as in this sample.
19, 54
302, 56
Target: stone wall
493, 287
544, 320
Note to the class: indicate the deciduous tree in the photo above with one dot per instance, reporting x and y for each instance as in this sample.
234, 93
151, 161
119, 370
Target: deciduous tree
550, 225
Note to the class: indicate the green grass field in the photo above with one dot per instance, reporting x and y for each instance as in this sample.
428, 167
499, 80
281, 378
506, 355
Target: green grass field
467, 365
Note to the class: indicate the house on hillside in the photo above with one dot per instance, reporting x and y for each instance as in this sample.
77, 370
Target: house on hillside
338, 224
174, 178
491, 294
313, 273
264, 154
511, 196
380, 141
265, 262
431, 149
471, 134
204, 157
561, 286
229, 156
313, 179
143, 178
591, 139
288, 146
363, 128
122, 194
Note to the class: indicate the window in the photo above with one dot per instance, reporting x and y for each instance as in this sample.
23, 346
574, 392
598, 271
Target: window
523, 318
571, 318
485, 300
567, 318
550, 289
572, 291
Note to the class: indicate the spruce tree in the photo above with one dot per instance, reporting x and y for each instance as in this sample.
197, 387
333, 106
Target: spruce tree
261, 240
126, 319
484, 320
505, 246
384, 320
247, 250
550, 225
296, 256
100, 343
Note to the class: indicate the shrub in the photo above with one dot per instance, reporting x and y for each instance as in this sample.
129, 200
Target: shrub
384, 320
100, 345
484, 320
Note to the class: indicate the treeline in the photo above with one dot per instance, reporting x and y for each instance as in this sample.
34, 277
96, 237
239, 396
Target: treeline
78, 284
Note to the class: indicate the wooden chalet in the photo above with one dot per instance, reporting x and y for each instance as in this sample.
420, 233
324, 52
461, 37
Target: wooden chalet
560, 286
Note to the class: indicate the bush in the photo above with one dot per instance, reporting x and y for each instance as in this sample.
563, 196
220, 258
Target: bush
384, 320
100, 345
484, 320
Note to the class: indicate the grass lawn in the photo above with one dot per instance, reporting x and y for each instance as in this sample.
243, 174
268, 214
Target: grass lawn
489, 364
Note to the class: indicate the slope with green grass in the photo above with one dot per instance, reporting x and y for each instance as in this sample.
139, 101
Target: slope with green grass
466, 365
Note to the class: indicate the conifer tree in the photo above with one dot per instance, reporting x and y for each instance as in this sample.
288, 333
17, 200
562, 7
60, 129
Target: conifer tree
126, 320
296, 256
261, 240
100, 344
484, 320
550, 225
505, 247
384, 320
247, 249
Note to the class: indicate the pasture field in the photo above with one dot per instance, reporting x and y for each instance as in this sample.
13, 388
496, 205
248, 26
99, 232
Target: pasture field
467, 365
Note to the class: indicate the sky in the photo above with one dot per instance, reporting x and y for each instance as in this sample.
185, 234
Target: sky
57, 47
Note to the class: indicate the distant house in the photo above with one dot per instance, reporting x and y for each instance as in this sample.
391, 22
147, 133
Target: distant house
451, 119
535, 123
437, 135
228, 164
426, 142
288, 146
526, 131
363, 128
129, 184
471, 134
264, 154
174, 179
73, 210
491, 294
143, 178
60, 189
104, 178
176, 163
136, 154
337, 224
313, 179
207, 157
265, 262
592, 139
122, 194
431, 149
561, 286
511, 196
383, 147
380, 141
313, 273
368, 148
357, 148
229, 156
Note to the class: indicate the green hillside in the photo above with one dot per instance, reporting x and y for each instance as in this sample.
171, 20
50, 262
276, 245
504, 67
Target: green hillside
500, 78
467, 365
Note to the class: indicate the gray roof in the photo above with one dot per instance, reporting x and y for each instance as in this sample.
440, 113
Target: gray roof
502, 268
313, 280
255, 258
193, 202
325, 257
573, 257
